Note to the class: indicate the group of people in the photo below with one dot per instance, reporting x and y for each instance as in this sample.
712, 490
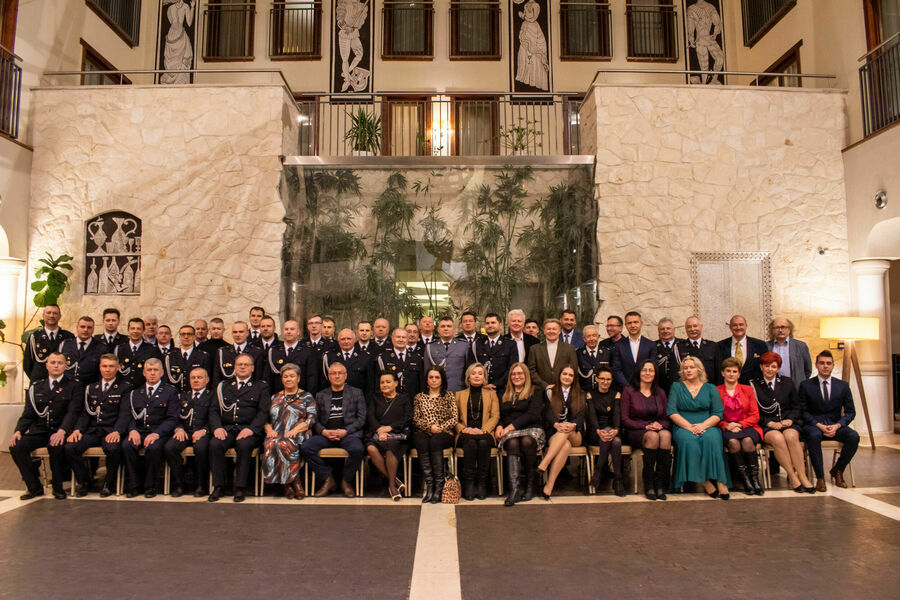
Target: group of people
377, 392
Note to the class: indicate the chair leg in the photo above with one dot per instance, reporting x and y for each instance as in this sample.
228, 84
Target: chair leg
499, 474
256, 486
589, 471
637, 465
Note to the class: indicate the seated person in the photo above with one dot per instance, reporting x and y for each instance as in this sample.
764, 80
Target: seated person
519, 431
828, 412
101, 423
647, 427
740, 425
603, 426
340, 420
478, 413
434, 421
292, 414
154, 414
565, 415
192, 430
52, 407
388, 416
781, 419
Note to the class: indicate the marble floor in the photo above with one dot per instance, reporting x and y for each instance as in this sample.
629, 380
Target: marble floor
782, 545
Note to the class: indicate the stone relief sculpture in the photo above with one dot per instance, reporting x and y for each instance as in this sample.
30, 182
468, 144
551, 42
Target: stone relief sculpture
532, 62
113, 254
177, 40
352, 62
703, 29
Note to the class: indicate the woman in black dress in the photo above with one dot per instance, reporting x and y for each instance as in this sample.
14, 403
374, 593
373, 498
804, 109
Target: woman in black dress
564, 415
388, 416
519, 432
603, 423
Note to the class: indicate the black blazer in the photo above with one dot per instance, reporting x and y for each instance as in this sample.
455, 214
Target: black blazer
603, 410
223, 363
48, 411
708, 353
410, 372
837, 409
587, 365
83, 366
178, 369
238, 409
755, 349
304, 357
131, 364
529, 341
354, 405
497, 360
101, 411
779, 404
623, 363
37, 348
666, 366
194, 415
522, 413
155, 414
395, 413
109, 347
360, 369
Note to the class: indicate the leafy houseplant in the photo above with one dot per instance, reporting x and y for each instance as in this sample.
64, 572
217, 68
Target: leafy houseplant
521, 136
365, 132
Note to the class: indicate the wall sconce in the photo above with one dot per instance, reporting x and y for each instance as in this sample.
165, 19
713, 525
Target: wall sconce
881, 199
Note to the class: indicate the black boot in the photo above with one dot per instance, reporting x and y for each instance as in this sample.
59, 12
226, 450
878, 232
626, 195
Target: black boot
483, 474
512, 472
663, 465
468, 477
738, 458
437, 466
753, 471
649, 472
427, 475
597, 479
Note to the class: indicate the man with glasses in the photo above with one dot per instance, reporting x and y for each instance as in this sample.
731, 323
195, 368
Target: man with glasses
184, 358
796, 364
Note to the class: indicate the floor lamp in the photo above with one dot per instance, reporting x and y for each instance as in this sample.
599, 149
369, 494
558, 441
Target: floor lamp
851, 330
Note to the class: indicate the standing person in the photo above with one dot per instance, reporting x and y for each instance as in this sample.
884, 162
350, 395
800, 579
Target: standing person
696, 345
164, 340
468, 325
83, 353
515, 321
360, 365
201, 330
565, 416
614, 326
603, 423
192, 430
449, 352
648, 427
412, 339
52, 407
42, 341
495, 353
547, 359
381, 329
435, 415
740, 425
134, 352
316, 340
744, 348
215, 340
267, 335
665, 353
289, 350
532, 328
225, 359
632, 350
151, 324
520, 433
185, 358
110, 337
827, 414
255, 318
796, 364
364, 338
478, 412
591, 357
569, 334
328, 328
292, 414
426, 330
388, 417
407, 365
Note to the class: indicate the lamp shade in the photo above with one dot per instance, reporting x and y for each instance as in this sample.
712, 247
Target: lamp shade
849, 328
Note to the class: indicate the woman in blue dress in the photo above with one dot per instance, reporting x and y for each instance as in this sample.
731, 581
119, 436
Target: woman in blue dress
291, 417
695, 410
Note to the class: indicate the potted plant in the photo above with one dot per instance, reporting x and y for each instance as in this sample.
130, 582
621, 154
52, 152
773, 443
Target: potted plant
520, 137
364, 134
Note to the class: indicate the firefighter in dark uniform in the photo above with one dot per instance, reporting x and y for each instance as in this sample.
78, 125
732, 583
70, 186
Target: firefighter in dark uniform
405, 364
184, 359
134, 352
83, 353
192, 430
223, 367
590, 356
359, 364
41, 342
495, 353
291, 350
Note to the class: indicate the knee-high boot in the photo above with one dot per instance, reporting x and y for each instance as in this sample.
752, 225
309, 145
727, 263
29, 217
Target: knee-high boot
738, 458
648, 473
427, 475
752, 461
663, 464
437, 466
512, 473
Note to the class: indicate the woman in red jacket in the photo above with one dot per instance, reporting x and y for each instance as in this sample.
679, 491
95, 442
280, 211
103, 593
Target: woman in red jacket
740, 427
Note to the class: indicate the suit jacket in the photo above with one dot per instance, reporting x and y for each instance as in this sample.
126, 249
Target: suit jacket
708, 353
395, 413
577, 341
102, 411
755, 349
154, 414
529, 341
360, 369
83, 366
178, 369
322, 346
542, 372
490, 411
131, 363
801, 363
303, 356
240, 408
259, 341
371, 348
109, 347
623, 363
354, 411
48, 411
223, 363
837, 409
496, 360
211, 346
462, 336
410, 372
193, 415
454, 357
37, 348
588, 364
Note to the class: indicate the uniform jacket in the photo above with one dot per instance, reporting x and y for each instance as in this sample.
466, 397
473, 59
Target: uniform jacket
454, 356
360, 369
154, 414
223, 362
131, 363
109, 346
304, 357
496, 360
83, 366
101, 411
48, 411
587, 364
708, 353
239, 409
193, 415
410, 372
178, 369
37, 348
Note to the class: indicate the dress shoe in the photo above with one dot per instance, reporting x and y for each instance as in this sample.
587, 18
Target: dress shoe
131, 493
200, 492
800, 489
810, 490
59, 494
177, 492
619, 487
105, 492
239, 494
469, 490
288, 491
838, 477
481, 490
326, 487
216, 494
299, 492
31, 494
820, 485
347, 490
150, 493
82, 490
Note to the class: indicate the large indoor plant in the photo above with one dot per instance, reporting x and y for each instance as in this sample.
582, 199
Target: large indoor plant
364, 134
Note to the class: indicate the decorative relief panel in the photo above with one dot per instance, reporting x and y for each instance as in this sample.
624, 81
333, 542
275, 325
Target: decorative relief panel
728, 283
176, 43
112, 255
351, 54
704, 40
530, 40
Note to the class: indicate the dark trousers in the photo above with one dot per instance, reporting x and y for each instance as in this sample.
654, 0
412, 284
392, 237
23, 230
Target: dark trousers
75, 452
173, 452
21, 455
351, 443
476, 454
153, 459
431, 442
243, 448
814, 439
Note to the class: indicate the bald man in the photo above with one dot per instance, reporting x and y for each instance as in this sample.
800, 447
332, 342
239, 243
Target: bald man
744, 348
696, 345
359, 364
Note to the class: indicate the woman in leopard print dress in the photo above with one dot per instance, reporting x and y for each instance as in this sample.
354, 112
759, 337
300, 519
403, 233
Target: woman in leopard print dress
434, 421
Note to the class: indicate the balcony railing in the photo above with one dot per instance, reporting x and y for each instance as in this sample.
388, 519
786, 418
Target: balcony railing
228, 31
10, 90
652, 33
295, 30
760, 15
879, 82
585, 30
473, 125
124, 16
408, 29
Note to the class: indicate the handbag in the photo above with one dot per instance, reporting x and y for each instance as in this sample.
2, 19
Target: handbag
452, 491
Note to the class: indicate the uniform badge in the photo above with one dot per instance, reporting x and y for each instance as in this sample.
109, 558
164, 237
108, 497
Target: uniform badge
228, 364
280, 360
126, 360
393, 367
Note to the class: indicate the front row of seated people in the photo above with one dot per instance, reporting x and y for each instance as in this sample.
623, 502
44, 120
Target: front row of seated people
143, 426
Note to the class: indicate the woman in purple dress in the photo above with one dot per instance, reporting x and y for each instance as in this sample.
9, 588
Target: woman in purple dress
647, 427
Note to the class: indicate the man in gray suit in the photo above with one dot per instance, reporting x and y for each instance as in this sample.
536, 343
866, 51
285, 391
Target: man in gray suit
450, 352
795, 361
547, 359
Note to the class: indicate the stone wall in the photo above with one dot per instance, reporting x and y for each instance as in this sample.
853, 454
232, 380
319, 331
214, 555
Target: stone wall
199, 164
684, 169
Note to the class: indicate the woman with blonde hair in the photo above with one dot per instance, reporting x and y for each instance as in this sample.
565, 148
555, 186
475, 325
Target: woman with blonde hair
565, 416
478, 412
519, 432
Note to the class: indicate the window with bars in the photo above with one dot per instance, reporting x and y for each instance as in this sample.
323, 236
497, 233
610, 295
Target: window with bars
475, 126
652, 30
408, 30
759, 16
475, 29
405, 125
585, 30
228, 30
295, 30
123, 16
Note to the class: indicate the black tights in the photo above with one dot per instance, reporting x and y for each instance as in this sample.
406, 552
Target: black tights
614, 449
476, 454
526, 448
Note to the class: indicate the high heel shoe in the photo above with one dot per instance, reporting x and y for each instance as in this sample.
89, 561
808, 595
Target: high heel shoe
800, 489
545, 495
713, 494
724, 496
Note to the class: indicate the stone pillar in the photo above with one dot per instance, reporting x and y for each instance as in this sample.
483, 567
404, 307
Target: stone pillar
871, 299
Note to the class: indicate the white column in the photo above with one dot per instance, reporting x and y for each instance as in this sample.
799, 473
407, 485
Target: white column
12, 282
871, 299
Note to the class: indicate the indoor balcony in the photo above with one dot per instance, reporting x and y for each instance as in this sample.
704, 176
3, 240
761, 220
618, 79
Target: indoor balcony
879, 80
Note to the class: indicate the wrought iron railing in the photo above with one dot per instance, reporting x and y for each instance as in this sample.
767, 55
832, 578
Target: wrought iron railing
228, 31
474, 29
759, 16
124, 16
408, 29
652, 32
295, 30
879, 82
10, 92
470, 125
585, 30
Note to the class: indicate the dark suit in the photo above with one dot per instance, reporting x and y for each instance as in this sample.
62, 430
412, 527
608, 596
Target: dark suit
370, 348
410, 372
755, 349
588, 364
193, 416
354, 417
542, 372
233, 410
528, 341
623, 362
46, 412
800, 361
573, 337
496, 360
101, 416
322, 345
37, 348
666, 365
211, 346
258, 341
708, 353
304, 357
837, 408
178, 368
223, 362
157, 414
84, 367
131, 363
360, 369
109, 346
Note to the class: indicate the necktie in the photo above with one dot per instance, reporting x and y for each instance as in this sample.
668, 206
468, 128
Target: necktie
738, 353
240, 385
289, 350
568, 337
185, 354
237, 349
492, 344
149, 390
697, 344
772, 385
134, 349
109, 339
825, 390
53, 385
346, 356
196, 396
52, 336
446, 347
81, 347
105, 386
401, 356
593, 354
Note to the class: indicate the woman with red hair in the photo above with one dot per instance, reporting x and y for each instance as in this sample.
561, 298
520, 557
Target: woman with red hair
740, 425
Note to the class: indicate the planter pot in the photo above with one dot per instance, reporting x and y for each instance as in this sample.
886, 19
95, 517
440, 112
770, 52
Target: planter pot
522, 152
361, 153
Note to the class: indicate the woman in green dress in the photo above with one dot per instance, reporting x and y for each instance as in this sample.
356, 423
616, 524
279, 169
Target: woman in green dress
695, 410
